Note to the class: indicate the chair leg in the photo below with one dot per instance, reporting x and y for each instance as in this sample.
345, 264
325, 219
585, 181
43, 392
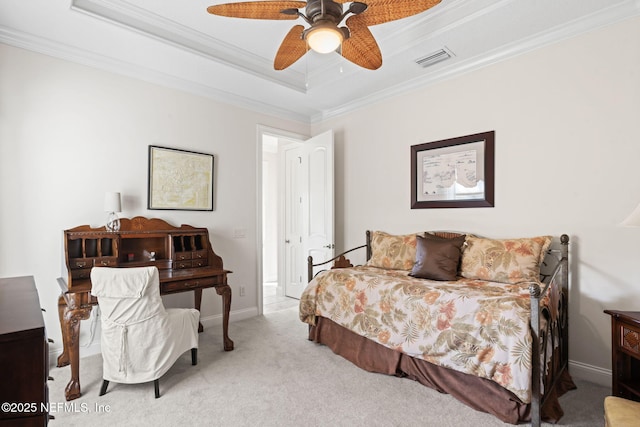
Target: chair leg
103, 389
194, 356
156, 385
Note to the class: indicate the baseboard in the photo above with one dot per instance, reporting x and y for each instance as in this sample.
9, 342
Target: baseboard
590, 373
234, 316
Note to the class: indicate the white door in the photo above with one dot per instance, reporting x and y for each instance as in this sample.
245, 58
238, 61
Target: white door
293, 252
309, 212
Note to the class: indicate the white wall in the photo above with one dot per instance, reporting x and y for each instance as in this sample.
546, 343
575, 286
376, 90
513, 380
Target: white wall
68, 133
566, 119
566, 122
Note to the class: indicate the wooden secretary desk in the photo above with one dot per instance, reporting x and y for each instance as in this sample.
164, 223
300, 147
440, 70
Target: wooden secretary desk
183, 255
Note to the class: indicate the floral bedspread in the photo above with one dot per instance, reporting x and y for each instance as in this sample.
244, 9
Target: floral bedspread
472, 326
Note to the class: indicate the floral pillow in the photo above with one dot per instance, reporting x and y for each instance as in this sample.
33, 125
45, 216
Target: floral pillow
393, 252
506, 261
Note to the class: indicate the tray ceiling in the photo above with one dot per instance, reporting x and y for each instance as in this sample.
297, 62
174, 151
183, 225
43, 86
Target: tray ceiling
178, 44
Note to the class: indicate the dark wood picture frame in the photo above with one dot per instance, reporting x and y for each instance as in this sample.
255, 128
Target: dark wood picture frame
433, 162
180, 179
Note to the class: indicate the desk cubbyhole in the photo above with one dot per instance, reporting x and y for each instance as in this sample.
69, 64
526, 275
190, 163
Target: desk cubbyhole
197, 242
142, 249
74, 248
107, 247
91, 248
188, 243
177, 244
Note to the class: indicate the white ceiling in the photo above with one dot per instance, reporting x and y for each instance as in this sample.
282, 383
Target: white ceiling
178, 44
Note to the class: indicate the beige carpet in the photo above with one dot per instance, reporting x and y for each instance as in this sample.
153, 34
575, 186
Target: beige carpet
276, 377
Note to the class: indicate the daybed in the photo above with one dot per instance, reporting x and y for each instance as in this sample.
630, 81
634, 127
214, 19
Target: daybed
484, 320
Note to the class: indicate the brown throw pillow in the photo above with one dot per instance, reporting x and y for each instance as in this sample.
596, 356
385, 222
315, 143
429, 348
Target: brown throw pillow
437, 258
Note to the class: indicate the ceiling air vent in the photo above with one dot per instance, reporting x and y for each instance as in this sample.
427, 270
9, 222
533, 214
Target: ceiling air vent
434, 58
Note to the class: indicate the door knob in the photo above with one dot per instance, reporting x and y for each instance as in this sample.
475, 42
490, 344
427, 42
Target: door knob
329, 246
287, 241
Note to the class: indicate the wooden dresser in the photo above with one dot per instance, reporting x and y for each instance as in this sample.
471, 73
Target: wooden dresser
183, 255
24, 355
625, 353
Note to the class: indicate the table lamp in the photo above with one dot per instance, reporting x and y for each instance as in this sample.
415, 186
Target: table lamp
633, 220
112, 205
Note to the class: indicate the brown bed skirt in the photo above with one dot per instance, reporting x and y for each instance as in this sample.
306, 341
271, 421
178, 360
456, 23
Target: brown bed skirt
478, 393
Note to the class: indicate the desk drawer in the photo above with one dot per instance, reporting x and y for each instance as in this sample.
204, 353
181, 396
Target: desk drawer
105, 261
76, 263
199, 263
182, 264
183, 285
200, 255
84, 273
180, 256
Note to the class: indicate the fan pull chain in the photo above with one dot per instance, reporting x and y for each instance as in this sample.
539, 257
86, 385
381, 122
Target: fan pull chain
306, 70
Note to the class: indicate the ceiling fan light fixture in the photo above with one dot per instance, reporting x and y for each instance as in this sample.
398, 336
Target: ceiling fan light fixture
354, 39
324, 38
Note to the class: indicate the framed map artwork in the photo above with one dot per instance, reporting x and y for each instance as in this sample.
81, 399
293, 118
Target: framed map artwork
453, 173
180, 179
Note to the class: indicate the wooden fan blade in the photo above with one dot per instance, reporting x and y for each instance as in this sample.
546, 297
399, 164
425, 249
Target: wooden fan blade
257, 9
361, 47
293, 47
381, 11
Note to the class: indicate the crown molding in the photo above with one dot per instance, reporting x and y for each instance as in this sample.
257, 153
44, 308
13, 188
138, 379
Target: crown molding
609, 16
170, 32
101, 62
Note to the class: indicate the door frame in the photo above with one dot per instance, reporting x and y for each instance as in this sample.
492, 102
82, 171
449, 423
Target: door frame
280, 134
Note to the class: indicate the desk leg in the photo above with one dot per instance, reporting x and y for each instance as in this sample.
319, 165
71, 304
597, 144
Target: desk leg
197, 296
225, 292
63, 359
70, 324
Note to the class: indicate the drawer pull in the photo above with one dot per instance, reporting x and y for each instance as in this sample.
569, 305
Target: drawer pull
81, 264
105, 263
50, 340
50, 378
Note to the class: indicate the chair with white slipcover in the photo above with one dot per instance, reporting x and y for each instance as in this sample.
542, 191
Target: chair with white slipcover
140, 339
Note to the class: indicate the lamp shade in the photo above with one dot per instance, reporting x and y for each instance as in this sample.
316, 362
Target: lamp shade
112, 202
633, 220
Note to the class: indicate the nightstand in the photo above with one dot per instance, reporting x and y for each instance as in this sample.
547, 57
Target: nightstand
625, 353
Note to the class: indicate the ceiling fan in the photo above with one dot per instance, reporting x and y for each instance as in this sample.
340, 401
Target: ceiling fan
353, 41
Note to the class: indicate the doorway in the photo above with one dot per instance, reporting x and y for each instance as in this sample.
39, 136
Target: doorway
296, 213
272, 143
